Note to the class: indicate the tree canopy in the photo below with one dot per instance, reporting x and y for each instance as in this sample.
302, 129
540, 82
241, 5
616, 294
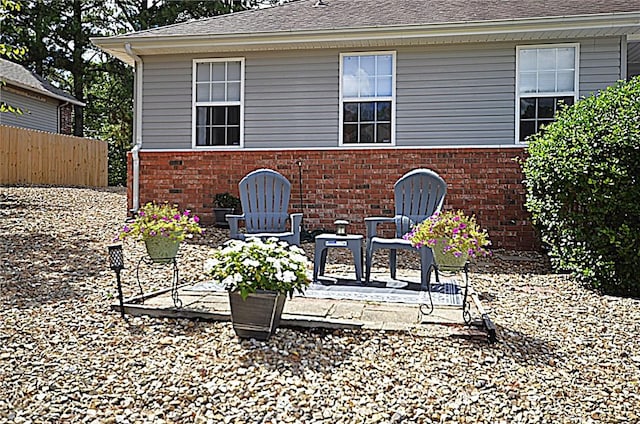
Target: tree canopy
56, 34
8, 50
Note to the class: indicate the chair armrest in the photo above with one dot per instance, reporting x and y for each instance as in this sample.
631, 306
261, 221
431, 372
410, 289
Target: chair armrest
372, 224
296, 227
296, 222
403, 224
233, 224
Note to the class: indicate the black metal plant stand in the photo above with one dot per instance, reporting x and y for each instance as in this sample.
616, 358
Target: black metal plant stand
466, 308
175, 278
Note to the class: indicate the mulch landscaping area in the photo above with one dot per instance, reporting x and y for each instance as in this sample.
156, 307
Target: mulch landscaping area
564, 354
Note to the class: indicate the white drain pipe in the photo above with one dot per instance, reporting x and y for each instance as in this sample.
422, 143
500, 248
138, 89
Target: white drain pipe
137, 126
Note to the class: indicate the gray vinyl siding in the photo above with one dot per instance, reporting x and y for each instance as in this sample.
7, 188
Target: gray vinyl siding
38, 114
457, 94
166, 108
599, 64
291, 100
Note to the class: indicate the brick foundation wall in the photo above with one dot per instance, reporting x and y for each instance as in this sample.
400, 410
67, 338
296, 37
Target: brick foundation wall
350, 184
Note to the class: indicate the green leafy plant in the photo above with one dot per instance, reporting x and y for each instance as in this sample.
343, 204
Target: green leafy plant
7, 7
163, 220
226, 200
254, 264
582, 179
450, 231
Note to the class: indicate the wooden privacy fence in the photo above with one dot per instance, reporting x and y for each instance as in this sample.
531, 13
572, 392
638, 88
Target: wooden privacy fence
37, 157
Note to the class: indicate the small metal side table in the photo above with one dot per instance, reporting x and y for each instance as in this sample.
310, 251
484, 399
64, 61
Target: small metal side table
175, 277
352, 242
464, 270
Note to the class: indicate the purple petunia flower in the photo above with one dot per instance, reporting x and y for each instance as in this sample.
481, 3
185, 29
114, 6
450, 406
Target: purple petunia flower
196, 219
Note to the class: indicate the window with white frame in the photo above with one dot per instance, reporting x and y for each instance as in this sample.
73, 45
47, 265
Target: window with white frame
367, 87
547, 77
218, 95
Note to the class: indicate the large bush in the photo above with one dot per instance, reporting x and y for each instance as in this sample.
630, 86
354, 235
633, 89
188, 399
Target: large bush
583, 189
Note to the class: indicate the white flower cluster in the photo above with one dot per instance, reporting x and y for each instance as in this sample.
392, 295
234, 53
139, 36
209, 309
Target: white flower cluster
257, 264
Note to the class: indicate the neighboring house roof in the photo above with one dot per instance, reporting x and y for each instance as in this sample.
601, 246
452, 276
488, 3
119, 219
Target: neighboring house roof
309, 23
17, 75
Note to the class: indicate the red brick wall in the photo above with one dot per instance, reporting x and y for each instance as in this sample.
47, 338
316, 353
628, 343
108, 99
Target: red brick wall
350, 184
66, 119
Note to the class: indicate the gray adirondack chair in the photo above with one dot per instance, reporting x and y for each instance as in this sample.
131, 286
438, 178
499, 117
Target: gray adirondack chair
418, 195
264, 195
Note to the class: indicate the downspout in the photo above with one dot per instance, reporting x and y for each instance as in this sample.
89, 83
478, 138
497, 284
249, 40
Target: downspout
137, 127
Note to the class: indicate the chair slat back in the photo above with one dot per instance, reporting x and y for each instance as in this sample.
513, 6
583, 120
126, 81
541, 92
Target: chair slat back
418, 195
264, 194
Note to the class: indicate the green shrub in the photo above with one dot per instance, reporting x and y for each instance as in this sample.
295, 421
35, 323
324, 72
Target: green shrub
582, 177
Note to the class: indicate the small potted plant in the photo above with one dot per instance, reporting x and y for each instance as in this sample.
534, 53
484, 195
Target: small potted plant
452, 236
224, 204
258, 274
162, 228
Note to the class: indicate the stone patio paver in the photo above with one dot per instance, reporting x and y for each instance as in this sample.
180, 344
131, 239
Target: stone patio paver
300, 311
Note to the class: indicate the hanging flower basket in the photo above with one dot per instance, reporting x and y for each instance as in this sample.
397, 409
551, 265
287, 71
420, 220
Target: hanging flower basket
162, 250
452, 236
162, 228
448, 259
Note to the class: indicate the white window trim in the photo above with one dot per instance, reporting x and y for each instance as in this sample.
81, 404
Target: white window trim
194, 103
391, 98
575, 93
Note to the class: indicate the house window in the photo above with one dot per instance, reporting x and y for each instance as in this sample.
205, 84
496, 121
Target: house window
367, 98
547, 76
218, 95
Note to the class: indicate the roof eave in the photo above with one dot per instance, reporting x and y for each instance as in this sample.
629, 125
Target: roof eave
148, 44
43, 92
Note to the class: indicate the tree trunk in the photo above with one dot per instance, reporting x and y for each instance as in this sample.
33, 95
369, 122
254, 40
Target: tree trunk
78, 67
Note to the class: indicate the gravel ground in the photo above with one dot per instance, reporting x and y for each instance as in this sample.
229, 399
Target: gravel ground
564, 354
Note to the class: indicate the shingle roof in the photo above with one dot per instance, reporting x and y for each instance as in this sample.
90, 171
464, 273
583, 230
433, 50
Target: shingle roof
14, 73
303, 15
